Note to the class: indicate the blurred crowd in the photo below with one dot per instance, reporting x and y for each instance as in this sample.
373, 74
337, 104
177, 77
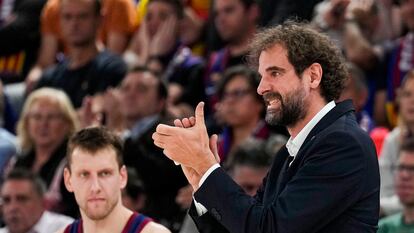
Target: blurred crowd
132, 64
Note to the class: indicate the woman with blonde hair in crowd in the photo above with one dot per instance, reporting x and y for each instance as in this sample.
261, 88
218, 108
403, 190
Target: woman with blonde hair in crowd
47, 121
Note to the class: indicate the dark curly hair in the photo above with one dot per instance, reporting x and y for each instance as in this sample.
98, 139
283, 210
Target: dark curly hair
304, 47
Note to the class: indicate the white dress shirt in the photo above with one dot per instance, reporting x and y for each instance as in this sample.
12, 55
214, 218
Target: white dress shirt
48, 223
293, 145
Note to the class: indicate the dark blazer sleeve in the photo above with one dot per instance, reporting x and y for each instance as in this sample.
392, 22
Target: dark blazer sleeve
207, 223
331, 176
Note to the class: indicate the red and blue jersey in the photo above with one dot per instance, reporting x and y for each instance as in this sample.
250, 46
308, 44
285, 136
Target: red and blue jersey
135, 224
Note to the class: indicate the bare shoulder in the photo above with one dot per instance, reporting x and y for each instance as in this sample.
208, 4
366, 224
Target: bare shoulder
153, 227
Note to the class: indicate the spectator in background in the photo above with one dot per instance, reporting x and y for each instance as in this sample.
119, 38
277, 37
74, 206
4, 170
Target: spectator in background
142, 103
194, 24
22, 195
133, 195
389, 156
354, 26
19, 38
87, 70
356, 89
404, 186
118, 23
47, 121
250, 164
235, 21
157, 44
399, 61
277, 11
195, 15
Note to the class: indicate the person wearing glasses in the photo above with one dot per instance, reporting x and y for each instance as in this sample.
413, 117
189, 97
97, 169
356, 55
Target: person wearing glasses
404, 188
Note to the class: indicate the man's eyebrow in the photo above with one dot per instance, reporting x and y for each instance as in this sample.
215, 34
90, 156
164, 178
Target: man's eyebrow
107, 169
275, 68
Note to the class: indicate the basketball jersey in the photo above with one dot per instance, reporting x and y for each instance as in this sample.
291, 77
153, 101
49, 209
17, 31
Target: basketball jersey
135, 224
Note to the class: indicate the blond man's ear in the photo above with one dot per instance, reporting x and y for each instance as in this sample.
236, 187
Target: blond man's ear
66, 179
123, 176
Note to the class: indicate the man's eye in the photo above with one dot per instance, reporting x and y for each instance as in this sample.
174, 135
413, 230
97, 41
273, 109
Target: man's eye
83, 174
275, 73
104, 174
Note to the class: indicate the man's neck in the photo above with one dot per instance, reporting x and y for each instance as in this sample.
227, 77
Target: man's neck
313, 109
408, 215
80, 56
114, 222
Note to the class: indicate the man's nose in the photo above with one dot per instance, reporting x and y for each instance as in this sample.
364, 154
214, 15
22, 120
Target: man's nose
263, 87
95, 184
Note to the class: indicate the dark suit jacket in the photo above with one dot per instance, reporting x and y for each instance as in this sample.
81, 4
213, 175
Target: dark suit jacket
161, 177
331, 186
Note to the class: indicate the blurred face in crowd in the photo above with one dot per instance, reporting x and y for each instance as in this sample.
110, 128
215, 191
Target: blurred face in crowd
239, 105
158, 13
139, 96
47, 126
404, 179
96, 180
22, 205
407, 13
79, 22
231, 19
249, 178
406, 101
283, 91
351, 91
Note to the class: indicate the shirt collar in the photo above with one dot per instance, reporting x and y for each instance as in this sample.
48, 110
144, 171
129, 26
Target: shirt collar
293, 145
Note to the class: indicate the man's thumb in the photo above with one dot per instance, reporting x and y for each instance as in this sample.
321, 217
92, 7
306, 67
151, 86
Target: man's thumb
199, 114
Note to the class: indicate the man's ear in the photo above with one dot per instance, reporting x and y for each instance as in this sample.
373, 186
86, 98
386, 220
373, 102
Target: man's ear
123, 176
66, 177
315, 74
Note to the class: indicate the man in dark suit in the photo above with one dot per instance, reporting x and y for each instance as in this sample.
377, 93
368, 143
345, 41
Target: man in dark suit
143, 104
325, 179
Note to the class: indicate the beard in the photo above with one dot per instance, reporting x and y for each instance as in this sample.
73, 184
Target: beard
101, 212
292, 108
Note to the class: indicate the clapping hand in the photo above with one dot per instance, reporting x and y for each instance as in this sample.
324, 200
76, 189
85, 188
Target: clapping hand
188, 144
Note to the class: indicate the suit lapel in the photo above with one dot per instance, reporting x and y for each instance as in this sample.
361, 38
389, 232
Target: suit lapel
340, 109
272, 181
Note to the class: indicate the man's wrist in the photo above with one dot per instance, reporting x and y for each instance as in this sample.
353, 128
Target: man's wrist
207, 174
203, 168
